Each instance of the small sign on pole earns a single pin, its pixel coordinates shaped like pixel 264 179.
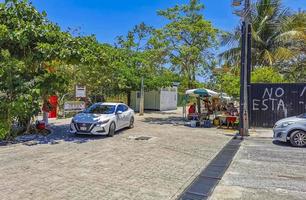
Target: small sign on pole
pixel 80 91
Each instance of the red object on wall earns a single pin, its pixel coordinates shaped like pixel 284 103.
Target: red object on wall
pixel 53 100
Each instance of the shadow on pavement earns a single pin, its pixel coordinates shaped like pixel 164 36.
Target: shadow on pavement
pixel 161 112
pixel 284 144
pixel 179 121
pixel 59 133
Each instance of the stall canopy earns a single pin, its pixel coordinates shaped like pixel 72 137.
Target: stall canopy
pixel 212 93
pixel 197 92
pixel 201 92
pixel 225 96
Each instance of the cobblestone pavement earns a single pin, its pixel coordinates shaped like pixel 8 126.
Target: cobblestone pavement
pixel 264 170
pixel 83 167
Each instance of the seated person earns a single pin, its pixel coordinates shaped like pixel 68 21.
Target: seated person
pixel 223 115
pixel 223 109
pixel 192 111
pixel 232 110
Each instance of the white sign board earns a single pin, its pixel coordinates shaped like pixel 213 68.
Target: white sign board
pixel 80 91
pixel 74 105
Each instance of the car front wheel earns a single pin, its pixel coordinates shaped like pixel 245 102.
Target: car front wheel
pixel 298 138
pixel 112 129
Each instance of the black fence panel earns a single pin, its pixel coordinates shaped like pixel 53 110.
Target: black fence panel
pixel 269 103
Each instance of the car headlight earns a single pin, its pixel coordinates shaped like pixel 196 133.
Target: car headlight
pixel 102 122
pixel 285 124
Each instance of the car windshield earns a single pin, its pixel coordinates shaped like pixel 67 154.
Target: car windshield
pixel 302 115
pixel 101 109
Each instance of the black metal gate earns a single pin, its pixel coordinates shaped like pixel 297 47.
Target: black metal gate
pixel 269 103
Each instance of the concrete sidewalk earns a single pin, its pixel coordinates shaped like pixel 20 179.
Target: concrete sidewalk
pixel 264 170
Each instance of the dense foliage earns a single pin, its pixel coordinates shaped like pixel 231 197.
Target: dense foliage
pixel 29 43
pixel 189 38
pixel 38 59
pixel 228 79
pixel 278 41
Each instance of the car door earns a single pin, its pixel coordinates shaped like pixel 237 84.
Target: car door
pixel 126 116
pixel 120 116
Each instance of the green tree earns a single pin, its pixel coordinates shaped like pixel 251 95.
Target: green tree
pixel 267 75
pixel 141 55
pixel 188 37
pixel 29 45
pixel 278 38
pixel 227 79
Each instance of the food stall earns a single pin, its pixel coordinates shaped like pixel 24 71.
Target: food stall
pixel 210 106
pixel 201 95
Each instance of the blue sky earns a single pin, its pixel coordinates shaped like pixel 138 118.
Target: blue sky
pixel 110 18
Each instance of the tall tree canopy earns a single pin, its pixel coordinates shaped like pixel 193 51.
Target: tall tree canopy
pixel 188 37
pixel 278 39
pixel 141 55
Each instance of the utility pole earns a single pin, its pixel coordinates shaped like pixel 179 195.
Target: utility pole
pixel 245 64
pixel 242 72
pixel 141 106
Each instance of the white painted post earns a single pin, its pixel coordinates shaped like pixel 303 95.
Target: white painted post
pixel 141 106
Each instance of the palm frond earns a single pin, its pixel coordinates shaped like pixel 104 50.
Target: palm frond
pixel 283 53
pixel 231 55
pixel 277 35
pixel 294 22
pixel 290 36
pixel 267 58
pixel 256 37
pixel 231 39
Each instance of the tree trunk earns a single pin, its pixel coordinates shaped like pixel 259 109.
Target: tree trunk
pixel 45 109
pixel 28 129
pixel 190 81
pixel 193 76
pixel 189 84
pixel 45 117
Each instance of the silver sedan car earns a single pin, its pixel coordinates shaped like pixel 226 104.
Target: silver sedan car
pixel 292 129
pixel 103 119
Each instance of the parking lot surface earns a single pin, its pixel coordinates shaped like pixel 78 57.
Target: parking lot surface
pixel 64 166
pixel 264 170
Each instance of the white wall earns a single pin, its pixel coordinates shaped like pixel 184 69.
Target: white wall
pixel 168 99
pixel 164 99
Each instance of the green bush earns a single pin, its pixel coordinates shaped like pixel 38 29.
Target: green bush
pixel 4 129
pixel 5 124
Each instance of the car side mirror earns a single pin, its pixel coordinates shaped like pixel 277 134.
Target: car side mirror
pixel 119 112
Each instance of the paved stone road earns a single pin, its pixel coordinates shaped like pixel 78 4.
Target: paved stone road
pixel 264 170
pixel 110 168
